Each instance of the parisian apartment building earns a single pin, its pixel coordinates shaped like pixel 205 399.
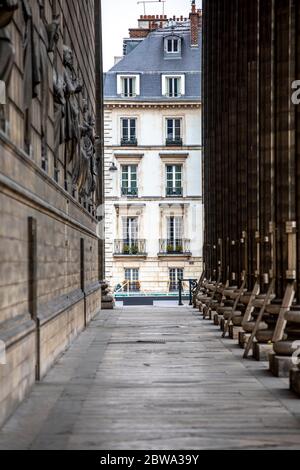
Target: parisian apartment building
pixel 153 156
pixel 50 185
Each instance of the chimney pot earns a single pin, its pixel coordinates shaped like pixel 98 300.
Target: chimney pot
pixel 195 25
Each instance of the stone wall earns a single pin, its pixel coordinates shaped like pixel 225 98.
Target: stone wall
pixel 50 261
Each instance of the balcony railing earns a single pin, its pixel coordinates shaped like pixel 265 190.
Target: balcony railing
pixel 129 142
pixel 178 246
pixel 174 192
pixel 130 192
pixel 174 142
pixel 130 247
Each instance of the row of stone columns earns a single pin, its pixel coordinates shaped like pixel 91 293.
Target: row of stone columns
pixel 251 133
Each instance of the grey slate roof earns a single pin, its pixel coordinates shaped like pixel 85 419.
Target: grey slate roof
pixel 148 60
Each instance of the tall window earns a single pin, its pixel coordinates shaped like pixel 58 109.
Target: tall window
pixel 130 230
pixel 132 280
pixel 129 180
pixel 128 86
pixel 175 234
pixel 174 180
pixel 128 126
pixel 173 87
pixel 173 131
pixel 174 275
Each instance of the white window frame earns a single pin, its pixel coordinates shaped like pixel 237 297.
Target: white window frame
pixel 129 166
pixel 174 173
pixel 128 119
pixel 173 133
pixel 165 79
pixel 175 278
pixel 134 273
pixel 172 39
pixel 120 81
pixel 130 229
pixel 178 228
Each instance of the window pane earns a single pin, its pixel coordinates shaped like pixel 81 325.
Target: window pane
pixel 170 87
pixel 132 128
pixel 125 128
pixel 169 176
pixel 169 45
pixel 175 45
pixel 175 86
pixel 125 176
pixel 133 170
pixel 177 128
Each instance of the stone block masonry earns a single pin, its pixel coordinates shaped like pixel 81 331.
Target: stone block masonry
pixel 50 255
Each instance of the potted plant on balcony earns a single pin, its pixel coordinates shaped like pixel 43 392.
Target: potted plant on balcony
pixel 134 250
pixel 179 249
pixel 126 250
pixel 170 249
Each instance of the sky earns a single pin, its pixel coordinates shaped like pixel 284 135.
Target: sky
pixel 120 15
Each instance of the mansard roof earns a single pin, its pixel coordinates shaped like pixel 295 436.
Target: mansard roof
pixel 150 62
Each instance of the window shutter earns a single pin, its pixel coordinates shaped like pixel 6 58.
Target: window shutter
pixel 137 85
pixel 119 85
pixel 182 85
pixel 163 85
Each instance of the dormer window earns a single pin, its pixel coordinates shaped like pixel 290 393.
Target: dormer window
pixel 173 86
pixel 172 47
pixel 128 86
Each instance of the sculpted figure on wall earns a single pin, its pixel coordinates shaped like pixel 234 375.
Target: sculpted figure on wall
pixel 72 132
pixel 86 172
pixel 7 9
pixel 36 67
pixel 7 52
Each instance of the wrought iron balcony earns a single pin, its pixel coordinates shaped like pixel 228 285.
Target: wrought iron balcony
pixel 130 192
pixel 174 192
pixel 129 142
pixel 180 246
pixel 130 248
pixel 174 142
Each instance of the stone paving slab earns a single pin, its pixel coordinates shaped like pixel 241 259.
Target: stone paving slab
pixel 155 378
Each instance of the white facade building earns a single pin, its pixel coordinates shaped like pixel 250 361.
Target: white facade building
pixel 153 161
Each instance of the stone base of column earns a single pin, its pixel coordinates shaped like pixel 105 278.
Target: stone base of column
pixel 243 339
pixel 295 380
pixel 280 366
pixel 234 331
pixel 261 351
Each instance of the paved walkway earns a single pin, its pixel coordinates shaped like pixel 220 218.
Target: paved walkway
pixel 155 378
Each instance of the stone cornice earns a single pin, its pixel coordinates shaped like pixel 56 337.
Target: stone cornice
pixel 154 105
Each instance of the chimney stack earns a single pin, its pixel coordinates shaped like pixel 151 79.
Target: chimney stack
pixel 195 18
